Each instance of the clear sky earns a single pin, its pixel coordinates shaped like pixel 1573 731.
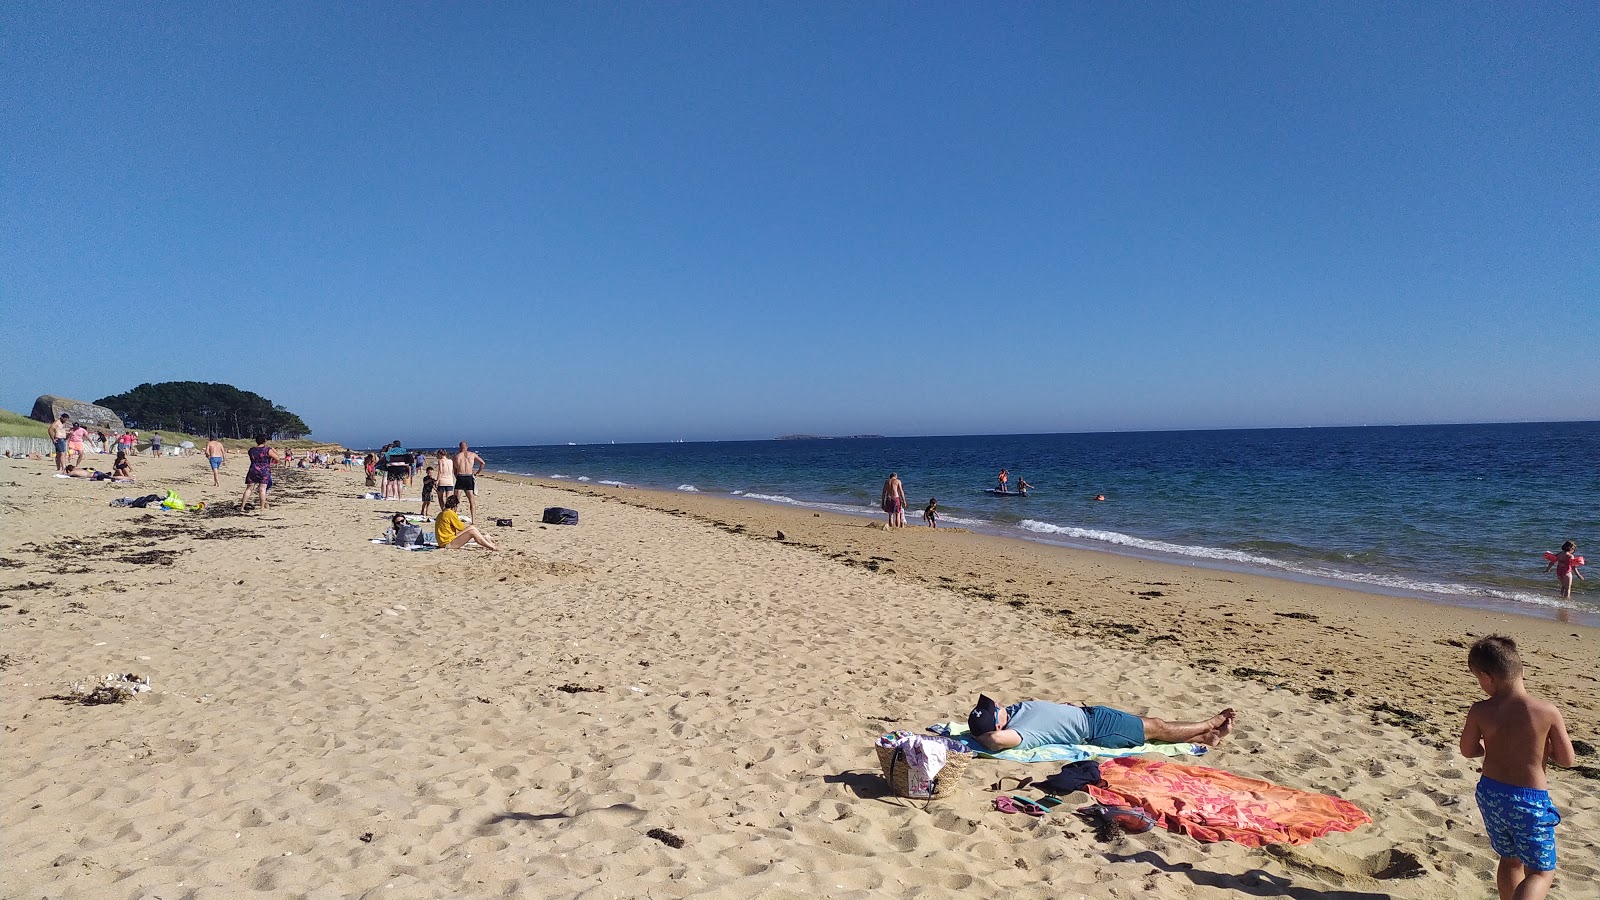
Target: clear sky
pixel 541 222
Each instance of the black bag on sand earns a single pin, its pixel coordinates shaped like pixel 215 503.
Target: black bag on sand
pixel 556 515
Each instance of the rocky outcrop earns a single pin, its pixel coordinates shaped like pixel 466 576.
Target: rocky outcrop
pixel 49 406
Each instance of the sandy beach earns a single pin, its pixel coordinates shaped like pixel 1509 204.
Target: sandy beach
pixel 669 700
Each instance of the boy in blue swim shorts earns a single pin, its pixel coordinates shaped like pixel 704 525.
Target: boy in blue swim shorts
pixel 1516 733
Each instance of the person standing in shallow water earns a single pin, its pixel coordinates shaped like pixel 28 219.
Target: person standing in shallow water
pixel 894 501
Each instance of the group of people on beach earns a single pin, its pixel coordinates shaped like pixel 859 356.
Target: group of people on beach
pixel 69 439
pixel 1515 734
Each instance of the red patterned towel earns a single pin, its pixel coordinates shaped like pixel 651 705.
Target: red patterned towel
pixel 1212 805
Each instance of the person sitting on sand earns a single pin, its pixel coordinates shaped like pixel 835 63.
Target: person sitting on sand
pixel 1035 723
pixel 120 468
pixel 452 533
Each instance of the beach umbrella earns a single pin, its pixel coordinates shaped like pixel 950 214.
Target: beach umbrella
pixel 187 445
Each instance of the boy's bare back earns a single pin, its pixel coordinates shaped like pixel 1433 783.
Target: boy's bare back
pixel 1516 733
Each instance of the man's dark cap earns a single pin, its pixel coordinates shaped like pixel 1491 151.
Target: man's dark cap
pixel 985 717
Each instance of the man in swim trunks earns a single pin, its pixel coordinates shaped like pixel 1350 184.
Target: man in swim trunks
pixel 58 438
pixel 1035 723
pixel 894 501
pixel 467 465
pixel 396 469
pixel 214 452
pixel 1516 734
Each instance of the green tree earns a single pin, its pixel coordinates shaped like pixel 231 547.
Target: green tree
pixel 199 407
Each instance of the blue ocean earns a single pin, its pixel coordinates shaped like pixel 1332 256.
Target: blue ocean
pixel 1454 513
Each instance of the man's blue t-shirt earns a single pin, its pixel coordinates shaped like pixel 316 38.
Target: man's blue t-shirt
pixel 1041 722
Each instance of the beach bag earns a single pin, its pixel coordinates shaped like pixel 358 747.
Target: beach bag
pixel 556 515
pixel 407 534
pixel 904 758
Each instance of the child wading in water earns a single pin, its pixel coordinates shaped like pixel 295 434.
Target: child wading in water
pixel 1516 734
pixel 931 514
pixel 1566 564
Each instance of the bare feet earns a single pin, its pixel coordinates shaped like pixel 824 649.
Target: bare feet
pixel 1221 726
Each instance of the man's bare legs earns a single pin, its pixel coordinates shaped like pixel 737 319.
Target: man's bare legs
pixel 1209 732
pixel 472 504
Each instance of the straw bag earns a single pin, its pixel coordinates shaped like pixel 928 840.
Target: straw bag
pixel 892 760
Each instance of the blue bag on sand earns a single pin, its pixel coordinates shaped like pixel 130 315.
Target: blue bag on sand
pixel 556 515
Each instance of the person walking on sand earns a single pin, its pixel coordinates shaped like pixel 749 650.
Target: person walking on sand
pixel 467 465
pixel 1516 734
pixel 894 501
pixel 75 439
pixel 931 514
pixel 214 453
pixel 450 533
pixel 259 475
pixel 58 439
pixel 1566 564
pixel 428 484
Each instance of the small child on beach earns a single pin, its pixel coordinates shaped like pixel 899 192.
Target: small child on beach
pixel 1516 734
pixel 931 514
pixel 428 481
pixel 1566 564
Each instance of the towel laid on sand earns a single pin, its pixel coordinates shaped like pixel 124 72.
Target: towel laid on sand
pixel 1211 805
pixel 386 542
pixel 1063 753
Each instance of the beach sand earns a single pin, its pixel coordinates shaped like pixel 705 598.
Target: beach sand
pixel 668 701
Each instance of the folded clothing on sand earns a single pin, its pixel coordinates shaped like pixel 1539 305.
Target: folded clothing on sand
pixel 1063 753
pixel 1211 805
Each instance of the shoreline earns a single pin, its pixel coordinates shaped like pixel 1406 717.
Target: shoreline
pixel 1552 611
pixel 1180 607
pixel 667 700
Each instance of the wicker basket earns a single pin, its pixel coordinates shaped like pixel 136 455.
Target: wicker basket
pixel 945 784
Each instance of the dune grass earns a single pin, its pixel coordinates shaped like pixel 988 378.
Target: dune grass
pixel 18 425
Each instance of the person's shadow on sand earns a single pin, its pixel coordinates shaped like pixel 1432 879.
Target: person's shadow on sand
pixel 1256 882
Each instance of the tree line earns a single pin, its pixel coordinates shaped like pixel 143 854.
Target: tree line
pixel 198 407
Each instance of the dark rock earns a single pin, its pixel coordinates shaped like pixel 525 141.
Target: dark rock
pixel 49 407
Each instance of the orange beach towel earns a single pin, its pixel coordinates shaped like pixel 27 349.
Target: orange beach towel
pixel 1212 805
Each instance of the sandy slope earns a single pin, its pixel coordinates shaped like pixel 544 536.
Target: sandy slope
pixel 333 718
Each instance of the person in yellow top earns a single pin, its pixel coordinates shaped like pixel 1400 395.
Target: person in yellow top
pixel 452 533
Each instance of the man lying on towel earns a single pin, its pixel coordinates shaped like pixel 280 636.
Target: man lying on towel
pixel 1035 723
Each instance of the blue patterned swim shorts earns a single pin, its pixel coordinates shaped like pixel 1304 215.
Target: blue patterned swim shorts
pixel 1521 821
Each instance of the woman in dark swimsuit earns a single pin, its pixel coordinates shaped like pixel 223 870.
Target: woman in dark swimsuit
pixel 259 475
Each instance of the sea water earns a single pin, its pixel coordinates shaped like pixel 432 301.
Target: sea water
pixel 1456 513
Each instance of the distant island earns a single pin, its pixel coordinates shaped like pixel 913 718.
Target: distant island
pixel 827 437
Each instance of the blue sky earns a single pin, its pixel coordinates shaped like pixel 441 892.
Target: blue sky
pixel 545 222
